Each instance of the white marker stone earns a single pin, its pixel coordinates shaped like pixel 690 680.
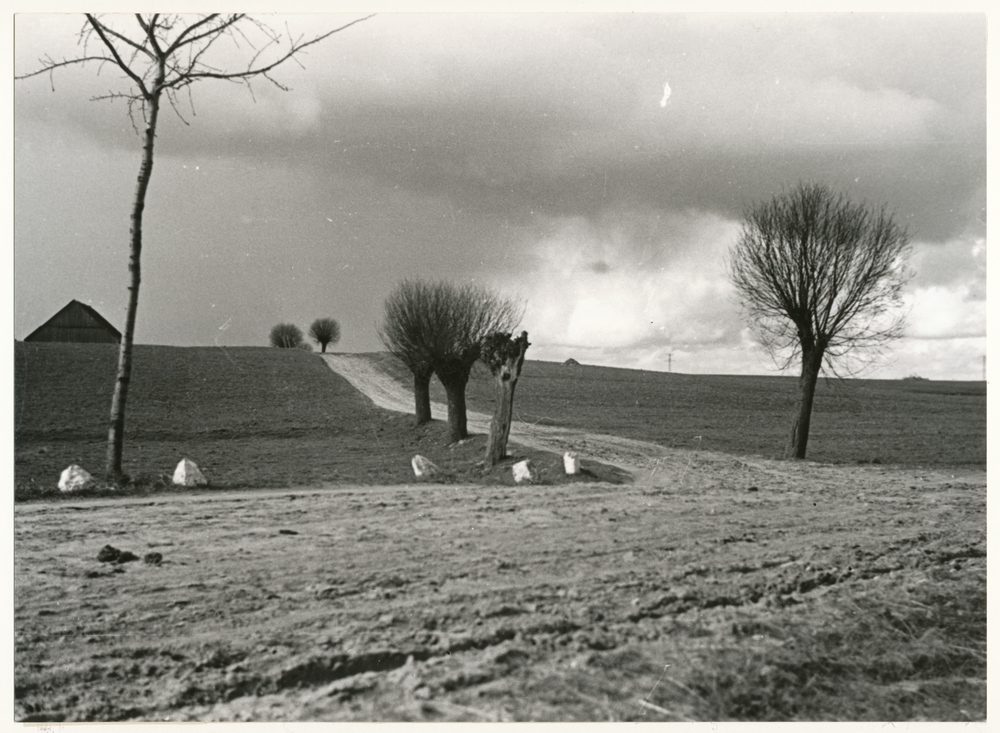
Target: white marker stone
pixel 74 478
pixel 423 466
pixel 187 473
pixel 523 472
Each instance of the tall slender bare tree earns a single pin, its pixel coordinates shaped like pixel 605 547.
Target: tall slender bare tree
pixel 160 55
pixel 819 278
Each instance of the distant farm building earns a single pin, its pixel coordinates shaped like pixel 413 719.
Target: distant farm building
pixel 76 323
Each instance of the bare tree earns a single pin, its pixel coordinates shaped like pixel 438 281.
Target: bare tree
pixel 324 331
pixel 286 336
pixel 819 278
pixel 505 357
pixel 463 318
pixel 439 328
pixel 406 332
pixel 161 55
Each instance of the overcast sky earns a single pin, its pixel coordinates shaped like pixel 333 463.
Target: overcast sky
pixel 595 166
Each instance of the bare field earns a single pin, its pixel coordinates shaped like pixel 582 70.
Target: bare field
pixel 668 585
pixel 713 589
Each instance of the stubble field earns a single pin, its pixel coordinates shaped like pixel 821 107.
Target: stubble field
pixel 703 585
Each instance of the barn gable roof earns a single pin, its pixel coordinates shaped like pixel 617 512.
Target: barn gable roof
pixel 99 320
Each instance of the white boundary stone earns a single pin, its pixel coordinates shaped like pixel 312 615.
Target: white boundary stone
pixel 423 466
pixel 74 478
pixel 523 472
pixel 187 473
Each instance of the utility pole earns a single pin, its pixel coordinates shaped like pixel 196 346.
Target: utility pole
pixel 670 357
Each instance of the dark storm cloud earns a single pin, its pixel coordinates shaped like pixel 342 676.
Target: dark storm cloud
pixel 891 112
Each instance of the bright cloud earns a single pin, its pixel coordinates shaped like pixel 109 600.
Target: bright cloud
pixel 946 312
pixel 650 280
pixel 947 298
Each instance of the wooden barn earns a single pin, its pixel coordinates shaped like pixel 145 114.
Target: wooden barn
pixel 77 323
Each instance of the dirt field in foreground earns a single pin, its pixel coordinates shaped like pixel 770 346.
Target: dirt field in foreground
pixel 462 603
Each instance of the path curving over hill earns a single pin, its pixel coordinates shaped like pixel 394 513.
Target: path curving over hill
pixel 648 463
pixel 630 455
pixel 371 381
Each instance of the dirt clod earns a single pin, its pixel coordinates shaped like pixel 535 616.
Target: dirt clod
pixel 108 554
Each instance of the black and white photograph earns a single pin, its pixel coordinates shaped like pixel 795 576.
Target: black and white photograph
pixel 562 363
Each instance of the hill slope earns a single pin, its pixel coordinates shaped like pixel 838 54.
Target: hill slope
pixel 249 416
pixel 254 416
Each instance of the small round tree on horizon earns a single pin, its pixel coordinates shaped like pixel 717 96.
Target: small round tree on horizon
pixel 286 336
pixel 819 278
pixel 324 331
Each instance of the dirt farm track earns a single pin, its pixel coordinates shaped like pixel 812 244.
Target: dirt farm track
pixel 712 587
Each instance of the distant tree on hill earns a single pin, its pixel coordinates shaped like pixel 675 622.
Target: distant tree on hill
pixel 286 336
pixel 818 278
pixel 438 328
pixel 304 346
pixel 324 331
pixel 160 56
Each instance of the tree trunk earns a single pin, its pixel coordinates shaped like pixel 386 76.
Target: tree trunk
pixel 496 446
pixel 811 363
pixel 422 396
pixel 455 387
pixel 505 358
pixel 116 431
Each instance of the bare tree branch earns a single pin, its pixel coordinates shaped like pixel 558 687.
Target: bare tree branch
pixel 100 30
pixel 48 65
pixel 262 70
pixel 196 38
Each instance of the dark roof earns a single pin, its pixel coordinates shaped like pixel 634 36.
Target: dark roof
pixel 100 321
